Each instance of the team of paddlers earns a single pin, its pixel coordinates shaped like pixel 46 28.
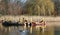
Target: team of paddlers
pixel 25 23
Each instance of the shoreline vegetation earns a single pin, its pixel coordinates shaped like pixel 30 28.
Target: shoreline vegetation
pixel 46 18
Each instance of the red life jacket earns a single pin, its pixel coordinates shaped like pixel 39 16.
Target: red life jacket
pixel 33 24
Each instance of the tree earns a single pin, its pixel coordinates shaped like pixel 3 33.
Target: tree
pixel 40 7
pixel 14 8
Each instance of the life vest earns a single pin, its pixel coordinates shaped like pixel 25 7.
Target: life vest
pixel 33 24
pixel 43 25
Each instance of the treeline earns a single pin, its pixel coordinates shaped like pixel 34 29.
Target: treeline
pixel 8 7
pixel 30 7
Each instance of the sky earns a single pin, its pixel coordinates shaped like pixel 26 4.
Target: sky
pixel 23 1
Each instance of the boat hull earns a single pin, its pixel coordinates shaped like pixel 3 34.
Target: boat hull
pixel 11 24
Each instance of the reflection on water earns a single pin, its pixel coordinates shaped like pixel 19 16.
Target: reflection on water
pixel 22 30
pixel 57 31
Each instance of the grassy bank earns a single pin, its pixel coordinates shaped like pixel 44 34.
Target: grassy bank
pixel 46 18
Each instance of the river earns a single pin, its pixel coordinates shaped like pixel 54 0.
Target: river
pixel 33 30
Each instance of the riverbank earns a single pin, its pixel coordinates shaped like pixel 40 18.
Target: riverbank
pixel 46 18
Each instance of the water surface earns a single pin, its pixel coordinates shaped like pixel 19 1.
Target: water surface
pixel 22 30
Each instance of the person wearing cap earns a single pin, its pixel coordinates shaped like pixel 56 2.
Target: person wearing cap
pixel 26 23
pixel 43 23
